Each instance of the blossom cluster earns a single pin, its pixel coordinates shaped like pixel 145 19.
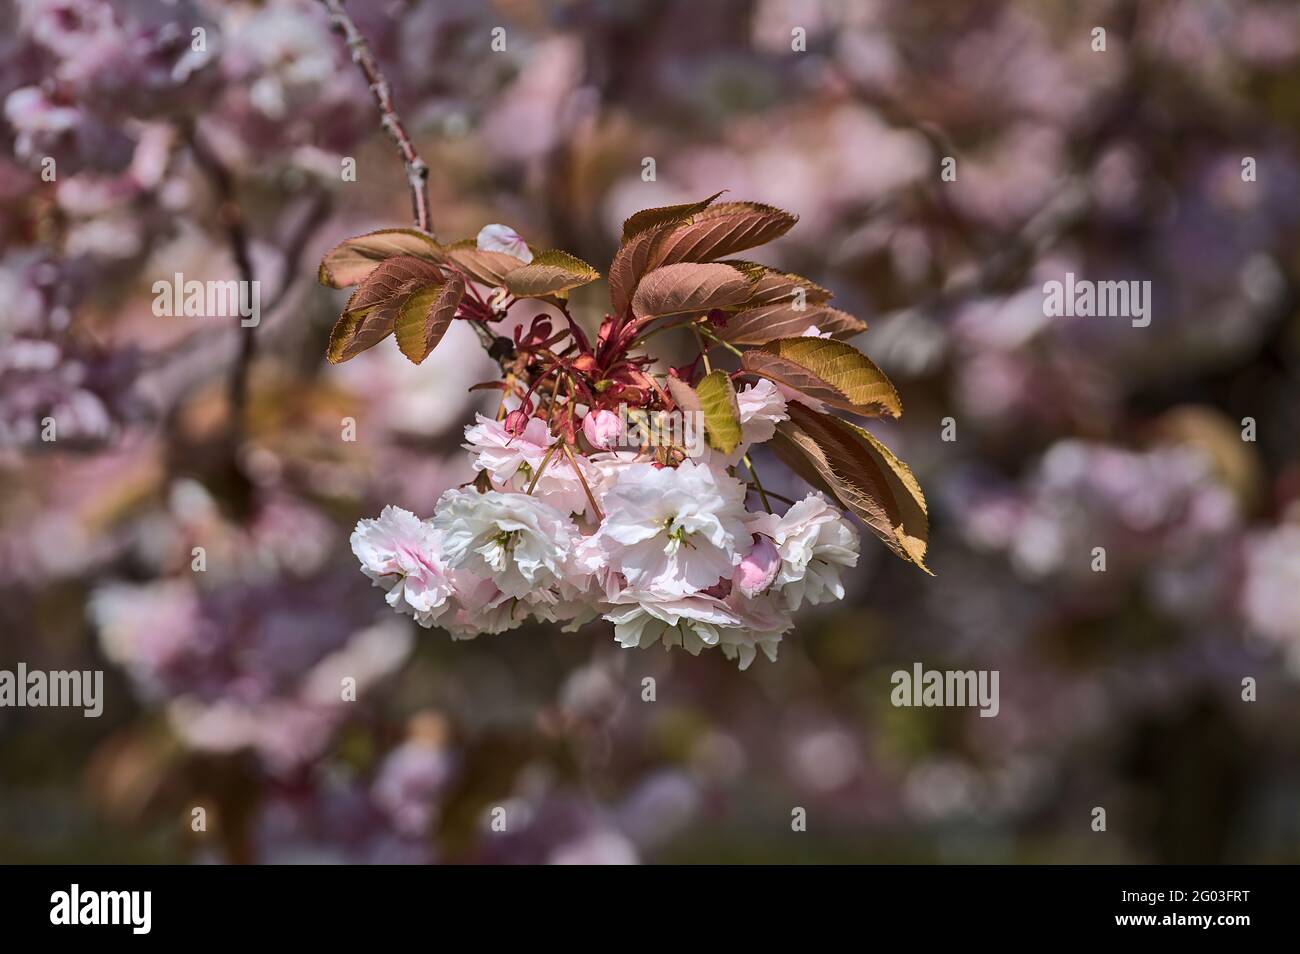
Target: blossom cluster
pixel 609 481
pixel 668 554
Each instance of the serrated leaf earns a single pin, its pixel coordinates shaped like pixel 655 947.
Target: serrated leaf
pixel 715 403
pixel 862 474
pixel 345 338
pixel 352 260
pixel 665 215
pixel 721 411
pixel 687 288
pixel 629 264
pixel 753 270
pixel 423 315
pixel 552 272
pixel 640 233
pixel 371 310
pixel 826 373
pixel 771 285
pixel 793 456
pixel 486 268
pixel 759 325
pixel 387 278
pixel 721 230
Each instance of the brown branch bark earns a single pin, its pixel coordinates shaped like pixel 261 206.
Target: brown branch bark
pixel 417 173
pixel 231 219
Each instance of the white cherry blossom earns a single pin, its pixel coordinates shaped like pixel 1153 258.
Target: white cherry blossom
pixel 518 541
pixel 674 531
pixel 403 554
pixel 512 460
pixel 815 543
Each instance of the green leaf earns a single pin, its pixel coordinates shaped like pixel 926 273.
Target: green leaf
pixel 352 260
pixel 552 272
pixel 717 399
pixel 345 341
pixel 860 472
pixel 424 313
pixel 827 372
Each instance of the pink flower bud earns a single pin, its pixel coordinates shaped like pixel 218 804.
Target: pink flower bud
pixel 602 428
pixel 758 569
pixel 516 422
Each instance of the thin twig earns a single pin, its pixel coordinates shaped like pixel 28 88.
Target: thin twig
pixel 546 459
pixel 417 173
pixel 591 499
pixel 762 494
pixel 718 341
pixel 771 493
pixel 704 352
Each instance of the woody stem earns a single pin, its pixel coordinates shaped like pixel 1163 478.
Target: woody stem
pixel 417 172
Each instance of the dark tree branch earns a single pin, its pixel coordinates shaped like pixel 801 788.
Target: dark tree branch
pixel 295 242
pixel 417 173
pixel 231 219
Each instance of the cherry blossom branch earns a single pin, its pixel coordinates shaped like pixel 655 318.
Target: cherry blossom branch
pixel 417 172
